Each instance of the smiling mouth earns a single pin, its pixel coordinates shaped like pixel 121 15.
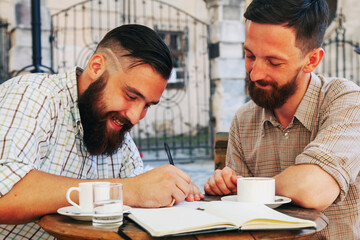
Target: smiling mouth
pixel 117 122
pixel 261 85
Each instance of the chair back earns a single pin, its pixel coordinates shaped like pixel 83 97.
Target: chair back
pixel 221 141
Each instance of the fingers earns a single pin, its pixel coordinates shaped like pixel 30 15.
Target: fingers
pixel 222 182
pixel 181 186
pixel 178 194
pixel 211 187
pixel 228 174
pixel 159 187
pixel 234 179
pixel 195 194
pixel 177 183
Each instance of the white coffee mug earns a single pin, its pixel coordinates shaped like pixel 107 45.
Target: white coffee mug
pixel 86 199
pixel 256 189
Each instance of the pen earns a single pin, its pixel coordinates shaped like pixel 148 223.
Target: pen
pixel 167 149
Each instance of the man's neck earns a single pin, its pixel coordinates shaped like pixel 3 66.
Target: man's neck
pixel 286 112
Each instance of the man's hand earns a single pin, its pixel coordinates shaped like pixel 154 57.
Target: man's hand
pixel 222 182
pixel 195 194
pixel 158 187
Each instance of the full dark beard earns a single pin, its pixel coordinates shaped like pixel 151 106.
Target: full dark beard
pixel 271 99
pixel 97 138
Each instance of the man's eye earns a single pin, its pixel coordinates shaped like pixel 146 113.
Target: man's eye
pixel 250 57
pixel 131 97
pixel 274 64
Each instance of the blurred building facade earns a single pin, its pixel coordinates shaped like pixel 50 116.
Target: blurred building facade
pixel 206 39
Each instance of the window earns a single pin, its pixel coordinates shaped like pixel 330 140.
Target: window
pixel 175 40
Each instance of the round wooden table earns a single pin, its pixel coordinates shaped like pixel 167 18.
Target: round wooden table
pixel 66 228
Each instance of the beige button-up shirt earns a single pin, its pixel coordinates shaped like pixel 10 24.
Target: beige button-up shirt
pixel 325 131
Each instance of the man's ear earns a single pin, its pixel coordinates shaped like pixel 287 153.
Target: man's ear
pixel 96 66
pixel 313 59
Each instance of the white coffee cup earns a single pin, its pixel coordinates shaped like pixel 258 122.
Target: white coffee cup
pixel 256 189
pixel 86 199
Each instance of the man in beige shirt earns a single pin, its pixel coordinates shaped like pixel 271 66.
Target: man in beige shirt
pixel 301 129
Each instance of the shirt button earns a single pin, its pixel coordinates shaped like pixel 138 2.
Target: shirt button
pixel 286 135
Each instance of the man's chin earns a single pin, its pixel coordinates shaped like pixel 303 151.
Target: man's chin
pixel 108 150
pixel 109 146
pixel 106 141
pixel 114 141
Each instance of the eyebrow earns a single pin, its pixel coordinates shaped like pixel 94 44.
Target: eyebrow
pixel 136 92
pixel 273 57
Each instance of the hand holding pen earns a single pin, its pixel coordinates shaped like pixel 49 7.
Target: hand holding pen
pixel 196 193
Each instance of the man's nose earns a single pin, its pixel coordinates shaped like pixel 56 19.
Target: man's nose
pixel 258 71
pixel 135 113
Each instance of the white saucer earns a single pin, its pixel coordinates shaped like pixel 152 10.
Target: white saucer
pixel 74 213
pixel 279 200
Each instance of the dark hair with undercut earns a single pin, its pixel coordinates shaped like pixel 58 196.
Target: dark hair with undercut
pixel 143 44
pixel 308 17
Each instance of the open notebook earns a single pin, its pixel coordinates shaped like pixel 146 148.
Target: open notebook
pixel 215 216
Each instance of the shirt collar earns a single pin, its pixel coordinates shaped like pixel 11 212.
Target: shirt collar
pixel 268 116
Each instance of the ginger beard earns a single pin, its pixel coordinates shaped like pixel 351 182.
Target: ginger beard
pixel 98 138
pixel 271 99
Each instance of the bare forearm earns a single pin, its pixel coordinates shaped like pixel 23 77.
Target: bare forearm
pixel 308 186
pixel 38 193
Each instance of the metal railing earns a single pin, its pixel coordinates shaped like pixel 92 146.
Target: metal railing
pixel 4 51
pixel 341 55
pixel 182 118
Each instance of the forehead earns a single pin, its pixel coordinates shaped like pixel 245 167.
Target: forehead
pixel 270 38
pixel 143 80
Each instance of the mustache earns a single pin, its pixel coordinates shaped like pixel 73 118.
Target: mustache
pixel 261 82
pixel 264 83
pixel 124 120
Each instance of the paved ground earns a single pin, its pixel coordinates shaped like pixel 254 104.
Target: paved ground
pixel 199 171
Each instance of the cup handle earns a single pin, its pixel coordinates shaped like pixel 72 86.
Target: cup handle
pixel 68 196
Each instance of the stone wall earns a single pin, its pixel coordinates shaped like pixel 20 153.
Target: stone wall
pixel 226 59
pixel 226 39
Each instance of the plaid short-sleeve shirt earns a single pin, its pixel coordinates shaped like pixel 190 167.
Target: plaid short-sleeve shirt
pixel 325 131
pixel 40 129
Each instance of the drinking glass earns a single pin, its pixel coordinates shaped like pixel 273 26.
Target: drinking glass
pixel 108 205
